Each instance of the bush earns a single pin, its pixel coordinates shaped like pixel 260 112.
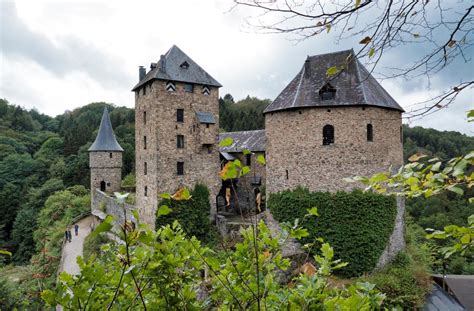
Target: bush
pixel 193 215
pixel 92 244
pixel 357 224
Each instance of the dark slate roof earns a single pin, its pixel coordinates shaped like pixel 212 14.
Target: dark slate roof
pixel 169 68
pixel 205 117
pixel 354 85
pixel 461 286
pixel 440 300
pixel 251 140
pixel 105 140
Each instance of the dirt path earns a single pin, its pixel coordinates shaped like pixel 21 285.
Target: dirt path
pixel 74 248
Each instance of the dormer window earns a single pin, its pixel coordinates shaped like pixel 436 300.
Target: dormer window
pixel 327 92
pixel 170 86
pixel 184 65
pixel 205 90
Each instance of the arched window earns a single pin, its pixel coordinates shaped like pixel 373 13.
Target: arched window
pixel 327 92
pixel 102 186
pixel 328 134
pixel 370 132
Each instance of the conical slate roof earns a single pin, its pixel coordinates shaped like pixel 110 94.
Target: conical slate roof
pixel 105 140
pixel 175 65
pixel 354 86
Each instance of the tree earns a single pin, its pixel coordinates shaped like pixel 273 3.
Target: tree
pixel 442 33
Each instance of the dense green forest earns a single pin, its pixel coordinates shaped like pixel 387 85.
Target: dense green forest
pixel 43 159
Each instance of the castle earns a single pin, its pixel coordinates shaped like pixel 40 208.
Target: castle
pixel 318 130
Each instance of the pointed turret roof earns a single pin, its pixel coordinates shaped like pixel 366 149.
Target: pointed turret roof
pixel 354 86
pixel 175 65
pixel 105 140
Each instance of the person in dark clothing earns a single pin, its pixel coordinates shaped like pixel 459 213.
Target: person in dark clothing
pixel 76 229
pixel 66 234
pixel 70 235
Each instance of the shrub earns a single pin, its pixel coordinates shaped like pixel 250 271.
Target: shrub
pixel 92 244
pixel 357 224
pixel 193 214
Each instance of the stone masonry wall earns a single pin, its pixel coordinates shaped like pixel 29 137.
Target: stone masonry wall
pixel 107 167
pixel 296 155
pixel 294 144
pixel 201 162
pixel 103 205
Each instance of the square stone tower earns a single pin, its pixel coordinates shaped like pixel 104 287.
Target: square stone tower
pixel 176 131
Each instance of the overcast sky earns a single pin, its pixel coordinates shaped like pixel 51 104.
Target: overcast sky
pixel 56 56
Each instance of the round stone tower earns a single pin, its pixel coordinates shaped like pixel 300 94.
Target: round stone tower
pixel 105 159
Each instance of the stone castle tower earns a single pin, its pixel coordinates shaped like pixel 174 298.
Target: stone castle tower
pixel 336 127
pixel 105 158
pixel 176 130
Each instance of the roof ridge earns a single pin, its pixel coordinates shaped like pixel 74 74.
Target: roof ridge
pixel 242 131
pixel 299 86
pixel 360 80
pixel 329 53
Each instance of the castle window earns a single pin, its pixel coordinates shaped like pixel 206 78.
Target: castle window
pixel 146 191
pixel 144 142
pixel 248 159
pixel 179 115
pixel 207 125
pixel 144 117
pixel 144 90
pixel 180 141
pixel 110 155
pixel 205 90
pixel 184 65
pixel 287 175
pixel 170 86
pixel 180 168
pixel 102 186
pixel 328 134
pixel 145 168
pixel 327 92
pixel 370 132
pixel 189 87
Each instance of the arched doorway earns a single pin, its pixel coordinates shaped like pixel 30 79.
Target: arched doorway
pixel 102 185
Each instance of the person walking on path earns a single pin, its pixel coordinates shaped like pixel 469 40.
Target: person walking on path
pixel 70 234
pixel 76 229
pixel 66 234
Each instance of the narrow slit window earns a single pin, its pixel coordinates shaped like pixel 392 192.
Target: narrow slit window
pixel 287 175
pixel 180 168
pixel 370 132
pixel 180 115
pixel 328 134
pixel 144 142
pixel 180 141
pixel 144 117
pixel 401 134
pixel 145 168
pixel 110 155
pixel 248 160
pixel 146 191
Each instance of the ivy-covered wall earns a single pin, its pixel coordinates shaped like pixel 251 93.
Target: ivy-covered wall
pixel 192 215
pixel 356 224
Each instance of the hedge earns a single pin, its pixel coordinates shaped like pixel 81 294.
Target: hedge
pixel 192 215
pixel 356 224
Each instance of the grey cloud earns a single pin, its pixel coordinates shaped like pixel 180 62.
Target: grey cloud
pixel 70 55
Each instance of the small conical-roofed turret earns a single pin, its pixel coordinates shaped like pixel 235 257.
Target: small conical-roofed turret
pixel 105 140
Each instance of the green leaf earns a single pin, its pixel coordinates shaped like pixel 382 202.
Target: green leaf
pixel 244 171
pixel 237 163
pixel 299 233
pixel 163 210
pixel 436 167
pixel 120 197
pixel 466 239
pixel 312 211
pixel 332 71
pixel 371 52
pixel 226 142
pixel 3 252
pixel 105 226
pixel 456 190
pixel 416 157
pixel 261 159
pixel 470 220
pixel 328 27
pixel 327 250
pixel 165 196
pixel 246 151
pixel 357 3
pixel 470 115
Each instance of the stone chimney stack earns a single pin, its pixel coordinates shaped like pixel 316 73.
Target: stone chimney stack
pixel 162 63
pixel 307 68
pixel 141 73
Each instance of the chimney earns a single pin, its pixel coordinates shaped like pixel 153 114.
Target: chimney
pixel 307 68
pixel 162 63
pixel 141 73
pixel 152 66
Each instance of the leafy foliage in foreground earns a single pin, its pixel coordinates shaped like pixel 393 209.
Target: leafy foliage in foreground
pixel 358 225
pixel 193 214
pixel 162 269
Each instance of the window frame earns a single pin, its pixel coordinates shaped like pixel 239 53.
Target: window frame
pixel 180 141
pixel 180 168
pixel 180 115
pixel 370 132
pixel 328 135
pixel 188 87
